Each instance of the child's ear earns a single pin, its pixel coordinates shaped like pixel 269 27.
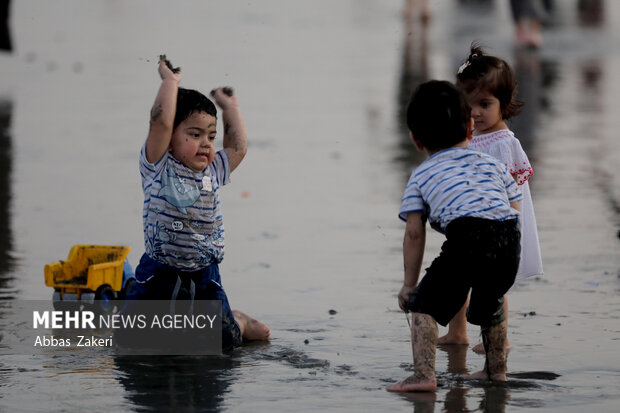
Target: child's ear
pixel 416 142
pixel 470 128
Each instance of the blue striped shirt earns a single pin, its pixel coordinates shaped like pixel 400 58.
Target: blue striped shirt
pixel 459 182
pixel 183 225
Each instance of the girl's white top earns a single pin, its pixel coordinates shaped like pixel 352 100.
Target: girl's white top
pixel 503 145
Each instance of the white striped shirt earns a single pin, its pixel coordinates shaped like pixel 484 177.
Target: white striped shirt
pixel 459 182
pixel 183 225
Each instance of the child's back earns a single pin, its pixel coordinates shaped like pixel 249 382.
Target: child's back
pixel 460 182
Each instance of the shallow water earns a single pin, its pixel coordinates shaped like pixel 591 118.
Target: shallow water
pixel 311 214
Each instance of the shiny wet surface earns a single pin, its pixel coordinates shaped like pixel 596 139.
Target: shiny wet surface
pixel 311 213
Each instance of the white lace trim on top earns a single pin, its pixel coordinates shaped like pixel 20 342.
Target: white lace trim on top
pixel 503 145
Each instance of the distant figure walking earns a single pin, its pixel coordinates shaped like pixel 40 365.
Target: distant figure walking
pixel 417 10
pixel 527 16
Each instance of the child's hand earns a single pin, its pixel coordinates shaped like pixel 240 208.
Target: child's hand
pixel 403 296
pixel 224 97
pixel 167 71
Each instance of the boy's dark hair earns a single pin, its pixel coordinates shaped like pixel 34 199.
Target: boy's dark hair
pixel 190 101
pixel 438 115
pixel 492 74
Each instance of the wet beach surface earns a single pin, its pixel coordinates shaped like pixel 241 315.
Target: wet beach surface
pixel 311 213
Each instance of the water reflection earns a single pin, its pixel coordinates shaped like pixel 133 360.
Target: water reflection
pixel 414 70
pixel 495 395
pixel 494 398
pixel 591 92
pixel 5 34
pixel 483 4
pixel 422 402
pixel 591 13
pixel 6 162
pixel 176 383
pixel 455 400
pixel 457 358
pixel 591 81
pixel 6 165
pixel 536 78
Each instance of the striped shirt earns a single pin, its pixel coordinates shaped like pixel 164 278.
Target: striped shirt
pixel 183 225
pixel 459 182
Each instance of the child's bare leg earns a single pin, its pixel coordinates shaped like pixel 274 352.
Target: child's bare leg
pixel 521 33
pixel 479 348
pixel 494 340
pixel 423 343
pixel 417 9
pixel 535 36
pixel 457 329
pixel 251 329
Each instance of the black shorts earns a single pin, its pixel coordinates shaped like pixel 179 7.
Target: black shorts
pixel 480 255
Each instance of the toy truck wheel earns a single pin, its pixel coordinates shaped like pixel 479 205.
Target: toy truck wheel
pixel 105 297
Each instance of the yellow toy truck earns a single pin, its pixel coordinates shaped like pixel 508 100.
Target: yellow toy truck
pixel 91 273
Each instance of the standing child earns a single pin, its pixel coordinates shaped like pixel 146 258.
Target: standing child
pixel 181 178
pixel 490 86
pixel 527 16
pixel 471 198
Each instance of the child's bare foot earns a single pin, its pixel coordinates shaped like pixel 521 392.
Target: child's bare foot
pixel 482 375
pixel 494 338
pixel 452 338
pixel 479 348
pixel 251 329
pixel 414 383
pixel 479 375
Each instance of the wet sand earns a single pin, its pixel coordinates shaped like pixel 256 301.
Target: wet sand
pixel 311 213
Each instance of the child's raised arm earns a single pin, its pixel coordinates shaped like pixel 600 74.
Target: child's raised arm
pixel 235 138
pixel 163 112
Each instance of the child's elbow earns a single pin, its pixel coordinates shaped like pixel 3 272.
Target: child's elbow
pixel 243 151
pixel 412 236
